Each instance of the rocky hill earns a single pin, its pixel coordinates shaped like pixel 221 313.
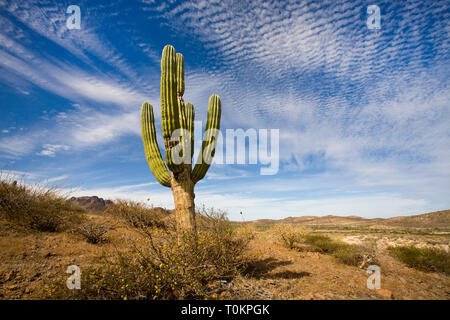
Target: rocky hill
pixel 91 203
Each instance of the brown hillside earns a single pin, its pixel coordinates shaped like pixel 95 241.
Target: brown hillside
pixel 428 220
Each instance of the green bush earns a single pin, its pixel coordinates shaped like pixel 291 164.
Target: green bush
pixel 354 255
pixel 37 207
pixel 424 259
pixel 324 243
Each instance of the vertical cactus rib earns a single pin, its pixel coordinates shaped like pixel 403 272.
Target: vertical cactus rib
pixel 152 153
pixel 180 74
pixel 190 117
pixel 169 104
pixel 209 141
pixel 181 106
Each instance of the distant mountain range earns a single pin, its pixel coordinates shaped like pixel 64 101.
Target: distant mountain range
pixel 438 219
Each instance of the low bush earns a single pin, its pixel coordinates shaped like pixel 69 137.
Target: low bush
pixel 354 255
pixel 289 235
pixel 324 243
pixel 424 259
pixel 166 264
pixel 136 214
pixel 37 207
pixel 92 232
pixel 246 231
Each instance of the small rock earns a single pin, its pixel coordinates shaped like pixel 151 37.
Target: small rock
pixel 384 293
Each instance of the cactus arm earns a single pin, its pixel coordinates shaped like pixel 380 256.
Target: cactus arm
pixel 190 117
pixel 170 115
pixel 151 148
pixel 209 141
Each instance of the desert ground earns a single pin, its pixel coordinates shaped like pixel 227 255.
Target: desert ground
pixel 33 263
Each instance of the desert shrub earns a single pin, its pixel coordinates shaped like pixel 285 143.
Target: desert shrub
pixel 166 264
pixel 92 232
pixel 37 207
pixel 289 235
pixel 324 243
pixel 135 214
pixel 246 231
pixel 424 259
pixel 353 255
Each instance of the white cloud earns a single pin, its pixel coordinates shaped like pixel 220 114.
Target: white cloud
pixel 16 146
pixel 51 149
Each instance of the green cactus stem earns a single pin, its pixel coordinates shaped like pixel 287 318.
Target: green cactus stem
pixel 176 116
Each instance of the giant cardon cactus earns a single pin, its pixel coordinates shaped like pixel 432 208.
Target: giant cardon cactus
pixel 178 133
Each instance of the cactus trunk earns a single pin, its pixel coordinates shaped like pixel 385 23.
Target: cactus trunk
pixel 178 116
pixel 183 195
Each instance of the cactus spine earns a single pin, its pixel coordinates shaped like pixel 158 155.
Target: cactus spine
pixel 178 117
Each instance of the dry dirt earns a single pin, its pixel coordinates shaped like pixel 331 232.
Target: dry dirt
pixel 288 274
pixel 29 262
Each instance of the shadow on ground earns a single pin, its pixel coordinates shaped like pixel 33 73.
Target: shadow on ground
pixel 262 269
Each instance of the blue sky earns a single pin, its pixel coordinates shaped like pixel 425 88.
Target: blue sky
pixel 363 114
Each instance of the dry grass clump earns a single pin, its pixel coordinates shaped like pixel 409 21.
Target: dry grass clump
pixel 354 255
pixel 37 207
pixel 135 214
pixel 424 259
pixel 289 235
pixel 92 232
pixel 166 264
pixel 246 231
